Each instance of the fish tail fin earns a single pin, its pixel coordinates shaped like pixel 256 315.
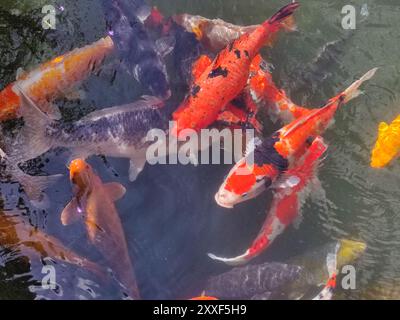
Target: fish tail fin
pixel 289 24
pixel 236 261
pixel 353 90
pixel 32 185
pixel 35 185
pixel 283 17
pixel 31 140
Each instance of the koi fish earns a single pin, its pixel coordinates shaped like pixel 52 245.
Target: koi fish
pixel 267 159
pixel 216 34
pixel 290 190
pixel 36 244
pixel 54 79
pixel 252 281
pixel 117 132
pixel 141 56
pixel 260 93
pixel 265 94
pixel 387 146
pixel 226 77
pixel 319 265
pixel 187 48
pixel 94 202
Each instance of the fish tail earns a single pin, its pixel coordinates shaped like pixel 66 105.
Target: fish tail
pixel 236 261
pixel 31 140
pixel 353 91
pixel 32 185
pixel 281 17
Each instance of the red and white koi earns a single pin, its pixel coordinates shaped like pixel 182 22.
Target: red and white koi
pixel 274 155
pixel 290 191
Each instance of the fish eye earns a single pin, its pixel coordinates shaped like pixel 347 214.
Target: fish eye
pixel 244 194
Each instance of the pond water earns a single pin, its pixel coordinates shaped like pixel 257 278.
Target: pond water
pixel 169 215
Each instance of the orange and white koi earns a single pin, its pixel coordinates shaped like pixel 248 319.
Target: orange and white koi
pixel 290 191
pixel 226 77
pixel 269 158
pixel 54 79
pixel 94 201
pixel 387 146
pixel 215 34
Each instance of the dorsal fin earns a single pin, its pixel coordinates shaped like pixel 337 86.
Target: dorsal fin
pixel 146 102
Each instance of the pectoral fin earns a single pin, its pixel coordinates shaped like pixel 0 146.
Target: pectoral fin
pixel 115 190
pixel 71 213
pixel 75 94
pixel 165 45
pixel 136 166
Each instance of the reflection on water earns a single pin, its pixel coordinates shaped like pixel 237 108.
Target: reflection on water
pixel 169 215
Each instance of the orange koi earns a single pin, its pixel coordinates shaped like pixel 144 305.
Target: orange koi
pixel 264 93
pixel 387 146
pixel 94 201
pixel 54 78
pixel 226 77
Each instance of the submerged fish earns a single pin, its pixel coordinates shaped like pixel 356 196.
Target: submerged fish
pixel 317 269
pixel 94 202
pixel 226 77
pixel 252 282
pixel 289 194
pixel 216 34
pixel 141 56
pixel 274 155
pixel 36 244
pixel 387 146
pixel 54 79
pixel 116 132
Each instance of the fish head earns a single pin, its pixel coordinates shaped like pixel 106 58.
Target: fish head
pixel 387 146
pixel 80 173
pixel 194 24
pixel 154 78
pixel 244 182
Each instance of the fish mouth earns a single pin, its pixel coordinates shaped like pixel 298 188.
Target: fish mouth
pixel 222 204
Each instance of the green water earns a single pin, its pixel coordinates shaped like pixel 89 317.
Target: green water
pixel 170 217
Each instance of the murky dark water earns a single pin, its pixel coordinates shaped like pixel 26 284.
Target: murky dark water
pixel 169 214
